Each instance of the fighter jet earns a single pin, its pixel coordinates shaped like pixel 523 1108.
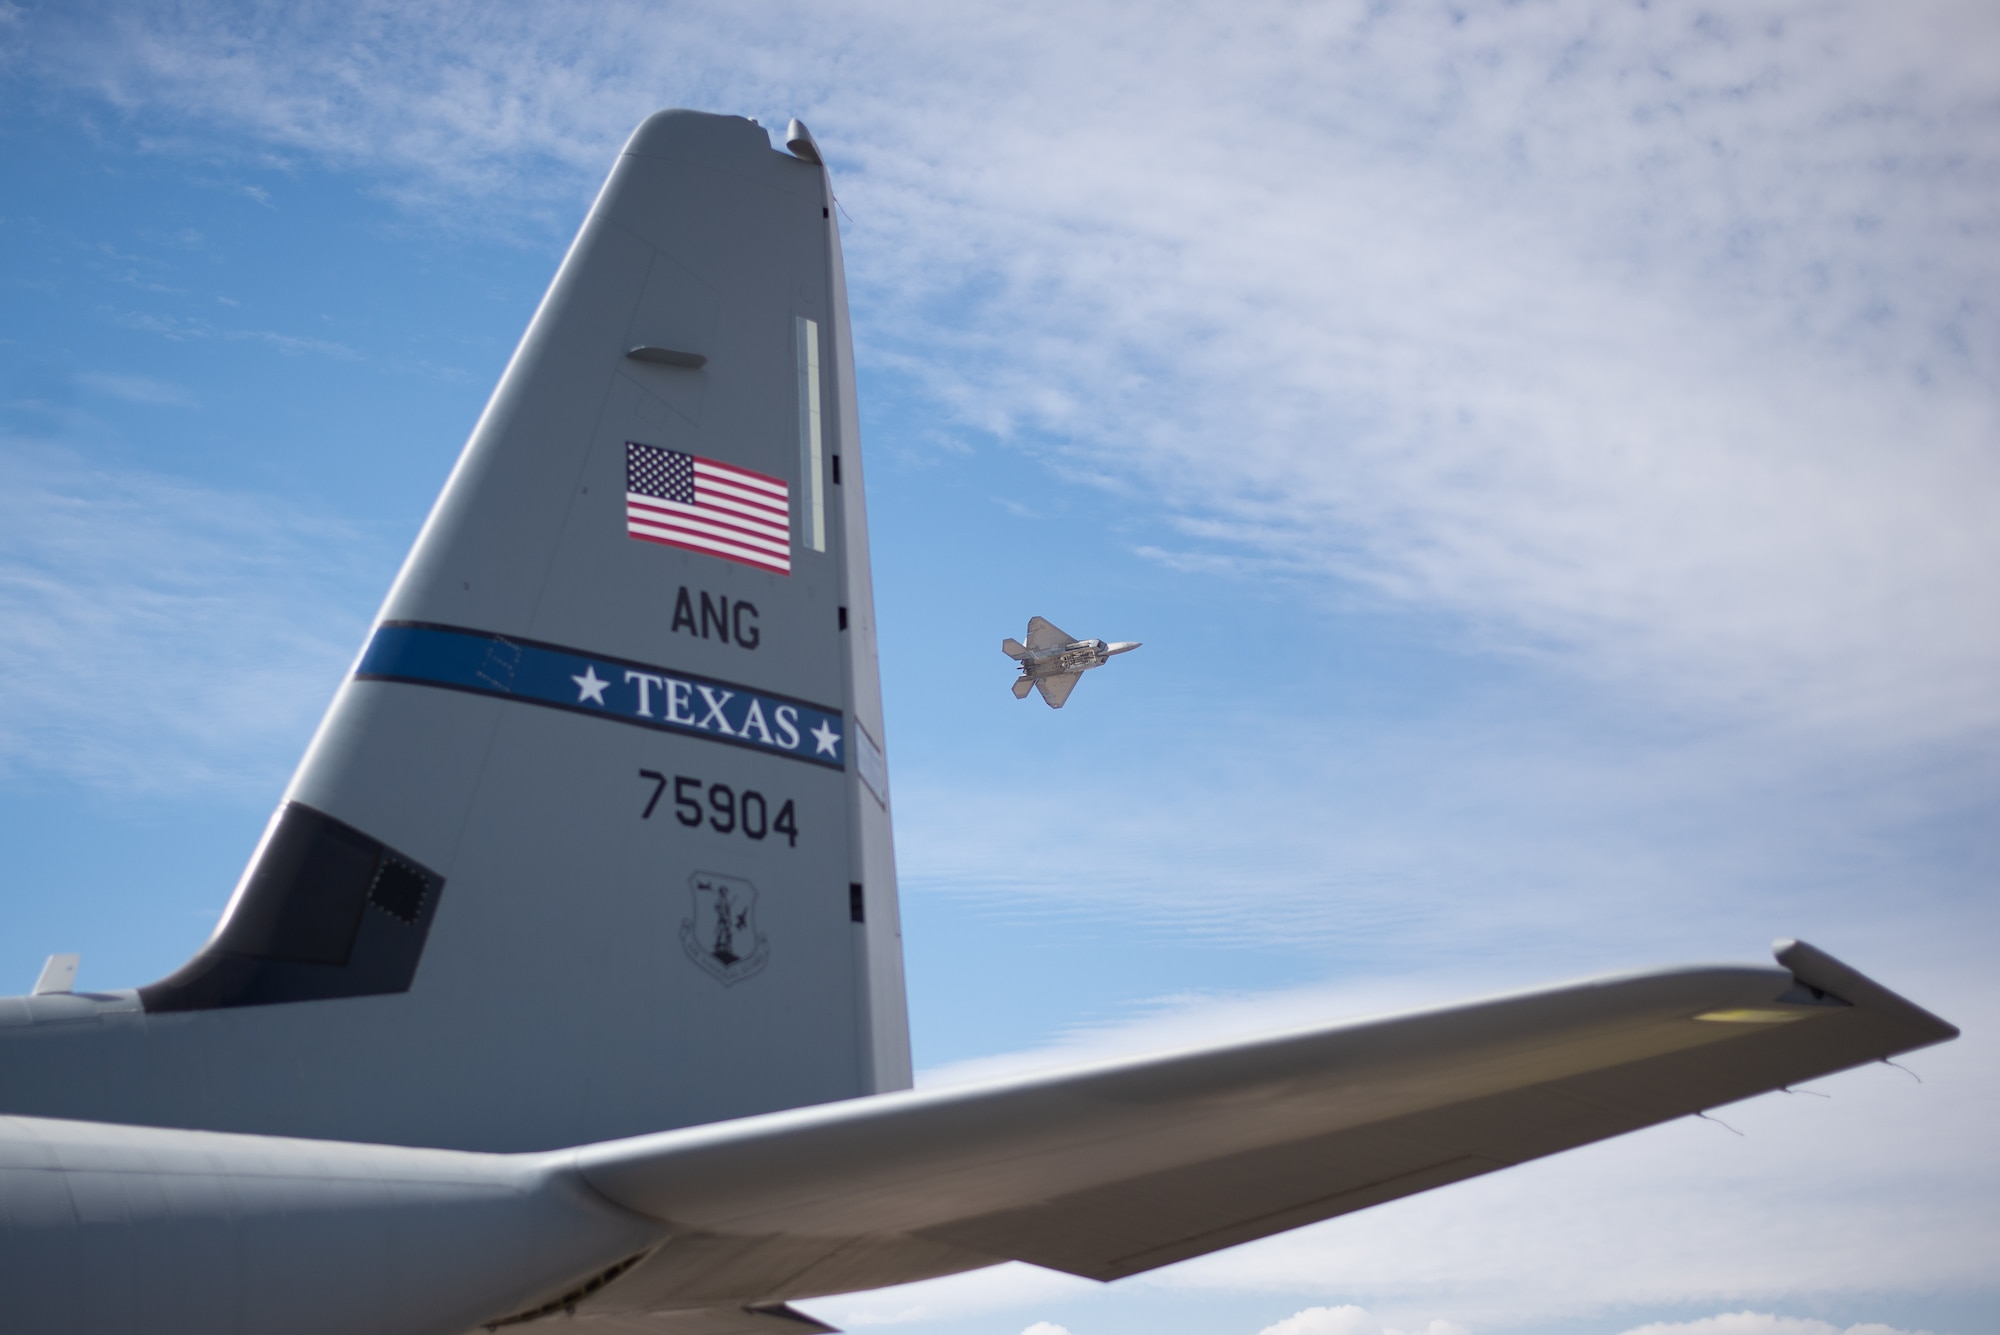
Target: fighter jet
pixel 1053 661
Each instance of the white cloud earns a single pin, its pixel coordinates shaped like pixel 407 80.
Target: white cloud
pixel 1350 1320
pixel 1045 1328
pixel 1649 340
pixel 165 636
pixel 138 389
pixel 1471 835
pixel 1762 1323
pixel 999 1288
pixel 183 328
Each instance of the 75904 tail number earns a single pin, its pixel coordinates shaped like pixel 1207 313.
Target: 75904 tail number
pixel 722 808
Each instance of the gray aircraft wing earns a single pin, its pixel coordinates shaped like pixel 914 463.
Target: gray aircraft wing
pixel 1056 689
pixel 712 1229
pixel 1043 634
pixel 1121 1168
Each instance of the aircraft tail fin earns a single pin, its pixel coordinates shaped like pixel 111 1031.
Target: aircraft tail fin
pixel 1022 685
pixel 1013 648
pixel 596 839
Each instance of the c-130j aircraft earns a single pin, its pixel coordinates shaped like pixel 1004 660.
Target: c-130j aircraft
pixel 566 980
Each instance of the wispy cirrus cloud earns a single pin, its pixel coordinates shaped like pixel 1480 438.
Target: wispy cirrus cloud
pixel 181 328
pixel 1651 342
pixel 141 389
pixel 165 636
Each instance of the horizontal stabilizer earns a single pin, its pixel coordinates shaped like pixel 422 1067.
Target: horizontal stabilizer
pixel 1055 690
pixel 1123 1167
pixel 1013 648
pixel 1022 685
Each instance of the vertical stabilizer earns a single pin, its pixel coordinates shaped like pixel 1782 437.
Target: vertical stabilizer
pixel 596 838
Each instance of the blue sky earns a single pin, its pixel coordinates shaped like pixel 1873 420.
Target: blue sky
pixel 1548 451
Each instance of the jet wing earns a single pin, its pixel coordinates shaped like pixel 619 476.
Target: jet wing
pixel 1056 689
pixel 1044 635
pixel 1116 1169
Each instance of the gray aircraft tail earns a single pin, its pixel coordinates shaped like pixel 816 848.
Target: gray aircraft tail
pixel 595 839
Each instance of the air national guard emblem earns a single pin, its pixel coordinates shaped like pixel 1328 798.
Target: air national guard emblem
pixel 722 936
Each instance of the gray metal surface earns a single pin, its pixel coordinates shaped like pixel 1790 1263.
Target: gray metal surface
pixel 1103 1172
pixel 547 969
pixel 168 1232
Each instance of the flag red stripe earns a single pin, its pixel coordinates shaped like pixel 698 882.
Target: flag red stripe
pixel 722 486
pixel 742 476
pixel 777 531
pixel 707 533
pixel 756 513
pixel 699 533
pixel 667 512
pixel 782 565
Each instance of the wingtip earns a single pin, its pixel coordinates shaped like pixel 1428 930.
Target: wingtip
pixel 1815 968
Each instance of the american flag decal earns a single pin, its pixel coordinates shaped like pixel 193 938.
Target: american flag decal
pixel 684 500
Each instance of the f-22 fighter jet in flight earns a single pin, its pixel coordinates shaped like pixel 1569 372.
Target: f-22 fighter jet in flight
pixel 1053 661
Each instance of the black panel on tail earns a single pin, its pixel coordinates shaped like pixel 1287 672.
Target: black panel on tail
pixel 329 912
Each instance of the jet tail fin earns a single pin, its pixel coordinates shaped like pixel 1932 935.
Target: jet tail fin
pixel 1022 685
pixel 1013 648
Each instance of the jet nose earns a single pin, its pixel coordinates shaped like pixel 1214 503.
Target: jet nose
pixel 1123 646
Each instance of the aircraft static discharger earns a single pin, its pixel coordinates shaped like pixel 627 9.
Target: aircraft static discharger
pixel 1052 662
pixel 566 984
